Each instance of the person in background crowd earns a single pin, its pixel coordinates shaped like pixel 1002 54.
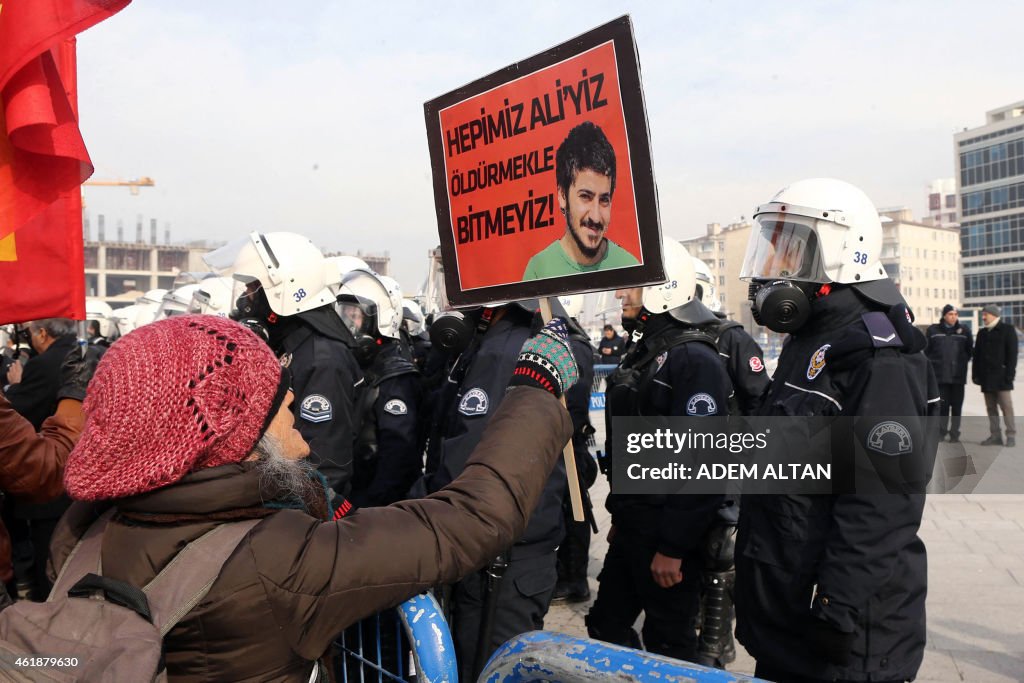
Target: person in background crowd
pixel 655 561
pixel 832 587
pixel 284 290
pixel 188 426
pixel 950 346
pixel 611 347
pixel 995 366
pixel 33 393
pixel 32 467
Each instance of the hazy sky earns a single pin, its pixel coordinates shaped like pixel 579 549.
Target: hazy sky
pixel 308 116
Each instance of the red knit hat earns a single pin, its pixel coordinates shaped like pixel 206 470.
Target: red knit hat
pixel 171 397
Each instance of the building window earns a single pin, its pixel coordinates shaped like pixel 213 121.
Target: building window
pixel 721 281
pixel 1002 160
pixel 721 263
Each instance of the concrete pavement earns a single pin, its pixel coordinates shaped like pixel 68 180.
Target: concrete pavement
pixel 975 548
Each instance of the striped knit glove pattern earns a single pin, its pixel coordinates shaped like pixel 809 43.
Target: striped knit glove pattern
pixel 546 360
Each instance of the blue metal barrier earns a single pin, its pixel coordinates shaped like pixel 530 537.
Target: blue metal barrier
pixel 597 388
pixel 380 647
pixel 547 656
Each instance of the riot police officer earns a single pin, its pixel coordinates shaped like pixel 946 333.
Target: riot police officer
pixel 832 587
pixel 283 289
pixel 744 362
pixel 387 455
pixel 654 561
pixel 474 387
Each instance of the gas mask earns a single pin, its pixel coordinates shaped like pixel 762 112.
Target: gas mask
pixel 780 305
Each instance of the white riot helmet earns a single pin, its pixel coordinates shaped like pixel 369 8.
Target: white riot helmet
pixel 290 270
pixel 371 304
pixel 573 304
pixel 679 288
pixel 146 307
pixel 213 297
pixel 413 317
pixel 818 230
pixel 677 296
pixel 706 290
pixel 176 302
pixel 100 311
pixel 124 318
pixel 812 233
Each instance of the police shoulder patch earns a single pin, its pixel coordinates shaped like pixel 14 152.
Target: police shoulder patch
pixel 396 406
pixel 701 405
pixel 474 402
pixel 316 408
pixel 890 438
pixel 756 364
pixel 660 360
pixel 817 363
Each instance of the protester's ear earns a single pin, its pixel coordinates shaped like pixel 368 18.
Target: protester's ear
pixel 561 200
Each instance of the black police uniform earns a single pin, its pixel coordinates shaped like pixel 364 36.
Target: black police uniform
pixel 317 348
pixel 832 587
pixel 949 350
pixel 388 459
pixel 574 552
pixel 652 383
pixel 481 376
pixel 744 362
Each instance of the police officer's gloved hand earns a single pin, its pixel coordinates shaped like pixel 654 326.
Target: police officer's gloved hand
pixel 546 360
pixel 76 371
pixel 829 643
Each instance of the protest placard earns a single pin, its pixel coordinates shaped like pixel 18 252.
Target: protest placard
pixel 542 175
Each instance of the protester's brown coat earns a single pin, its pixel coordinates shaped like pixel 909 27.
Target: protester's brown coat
pixel 294 583
pixel 32 465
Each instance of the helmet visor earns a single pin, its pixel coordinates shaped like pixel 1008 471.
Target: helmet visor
pixel 357 313
pixel 783 247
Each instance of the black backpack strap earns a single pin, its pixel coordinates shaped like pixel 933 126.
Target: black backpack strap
pixel 189 576
pixel 117 592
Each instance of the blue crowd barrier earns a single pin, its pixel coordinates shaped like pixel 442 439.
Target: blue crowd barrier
pixel 380 648
pixel 601 372
pixel 547 656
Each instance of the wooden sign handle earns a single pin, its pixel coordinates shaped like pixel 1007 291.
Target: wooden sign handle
pixel 568 453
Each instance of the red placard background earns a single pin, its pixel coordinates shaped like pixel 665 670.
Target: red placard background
pixel 549 111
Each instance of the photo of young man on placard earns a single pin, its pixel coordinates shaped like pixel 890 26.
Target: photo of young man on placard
pixel 585 175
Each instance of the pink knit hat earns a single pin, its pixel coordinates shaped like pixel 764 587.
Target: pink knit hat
pixel 171 397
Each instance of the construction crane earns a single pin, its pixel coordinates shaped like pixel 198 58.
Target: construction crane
pixel 132 185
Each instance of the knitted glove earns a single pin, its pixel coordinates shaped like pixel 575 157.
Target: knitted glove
pixel 76 371
pixel 546 360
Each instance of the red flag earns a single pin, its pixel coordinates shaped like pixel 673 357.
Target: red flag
pixel 43 159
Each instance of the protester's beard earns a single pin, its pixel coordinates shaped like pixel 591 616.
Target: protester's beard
pixel 285 478
pixel 587 251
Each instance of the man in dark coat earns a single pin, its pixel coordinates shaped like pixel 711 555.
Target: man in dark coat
pixel 995 365
pixel 32 390
pixel 950 345
pixel 611 346
pixel 34 395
